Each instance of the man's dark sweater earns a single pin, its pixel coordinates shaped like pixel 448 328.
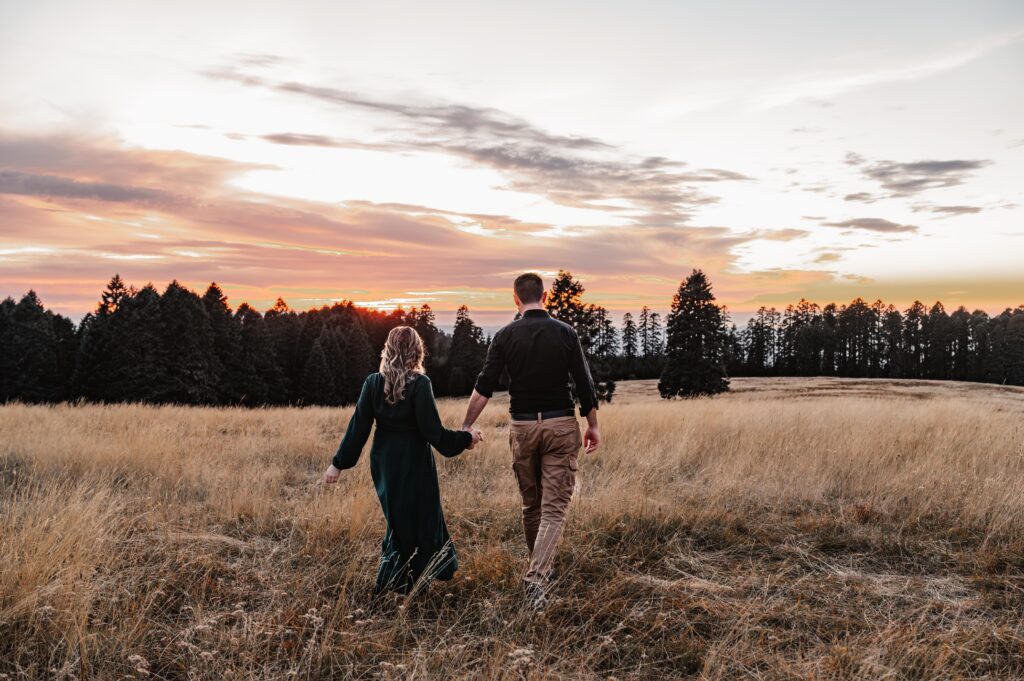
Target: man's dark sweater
pixel 540 353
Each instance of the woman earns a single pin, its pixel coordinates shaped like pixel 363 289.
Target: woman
pixel 400 400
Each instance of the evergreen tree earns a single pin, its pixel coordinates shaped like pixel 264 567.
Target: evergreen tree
pixel 656 341
pixel 914 340
pixel 7 364
pixel 629 337
pixel 734 358
pixel 425 323
pixel 758 342
pixel 606 342
pixel 94 341
pixel 892 332
pixel 361 362
pixel 262 381
pixel 980 355
pixel 696 345
pixel 283 329
pixel 466 355
pixel 565 303
pixel 317 385
pixel 960 345
pixel 32 370
pixel 131 364
pixel 938 358
pixel 192 366
pixel 1014 346
pixel 234 369
pixel 111 298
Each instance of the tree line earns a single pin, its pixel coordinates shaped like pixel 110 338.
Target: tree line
pixel 876 340
pixel 176 346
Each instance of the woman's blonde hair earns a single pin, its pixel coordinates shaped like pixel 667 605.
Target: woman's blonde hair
pixel 401 358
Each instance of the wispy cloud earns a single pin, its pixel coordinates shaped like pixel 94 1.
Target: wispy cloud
pixel 570 170
pixel 948 211
pixel 823 86
pixel 872 225
pixel 908 178
pixel 14 182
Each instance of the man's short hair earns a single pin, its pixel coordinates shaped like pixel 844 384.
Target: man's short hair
pixel 529 288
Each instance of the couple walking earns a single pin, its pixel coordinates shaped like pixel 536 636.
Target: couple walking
pixel 540 355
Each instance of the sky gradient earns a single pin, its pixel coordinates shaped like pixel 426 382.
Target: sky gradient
pixel 402 153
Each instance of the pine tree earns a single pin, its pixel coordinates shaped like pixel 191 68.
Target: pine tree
pixel 191 363
pixel 111 298
pixel 655 337
pixel 629 337
pixel 7 364
pixel 32 367
pixel 938 342
pixel 283 330
pixel 606 341
pixel 565 303
pixel 914 339
pixel 425 323
pixel 466 355
pixel 317 385
pixel 88 379
pixel 696 345
pixel 645 332
pixel 131 364
pixel 261 381
pixel 234 368
pixel 892 334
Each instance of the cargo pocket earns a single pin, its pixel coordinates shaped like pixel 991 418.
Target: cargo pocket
pixel 574 455
pixel 565 445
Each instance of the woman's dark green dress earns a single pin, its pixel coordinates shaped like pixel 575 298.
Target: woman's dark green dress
pixel 416 542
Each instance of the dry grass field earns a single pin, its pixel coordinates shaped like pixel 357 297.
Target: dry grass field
pixel 793 529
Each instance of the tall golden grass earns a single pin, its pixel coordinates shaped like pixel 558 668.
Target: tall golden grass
pixel 793 529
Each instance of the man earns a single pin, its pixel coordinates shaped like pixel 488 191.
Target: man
pixel 540 354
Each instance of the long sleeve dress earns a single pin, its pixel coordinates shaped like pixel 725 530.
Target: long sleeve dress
pixel 416 542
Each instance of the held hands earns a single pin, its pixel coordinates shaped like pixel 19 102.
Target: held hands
pixel 331 475
pixel 592 439
pixel 478 437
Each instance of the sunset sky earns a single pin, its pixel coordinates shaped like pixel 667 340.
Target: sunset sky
pixel 401 153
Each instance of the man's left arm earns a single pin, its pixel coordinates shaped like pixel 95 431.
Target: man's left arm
pixel 586 393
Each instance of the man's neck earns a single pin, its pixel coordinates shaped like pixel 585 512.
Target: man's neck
pixel 532 306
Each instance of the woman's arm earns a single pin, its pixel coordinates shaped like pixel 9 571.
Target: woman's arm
pixel 448 442
pixel 356 434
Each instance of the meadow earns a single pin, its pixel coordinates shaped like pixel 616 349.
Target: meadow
pixel 790 529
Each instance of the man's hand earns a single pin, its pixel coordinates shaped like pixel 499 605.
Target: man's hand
pixel 592 438
pixel 478 437
pixel 331 475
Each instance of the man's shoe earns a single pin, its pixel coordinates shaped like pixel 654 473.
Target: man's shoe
pixel 536 596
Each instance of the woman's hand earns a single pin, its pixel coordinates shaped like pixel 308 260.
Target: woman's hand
pixel 331 475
